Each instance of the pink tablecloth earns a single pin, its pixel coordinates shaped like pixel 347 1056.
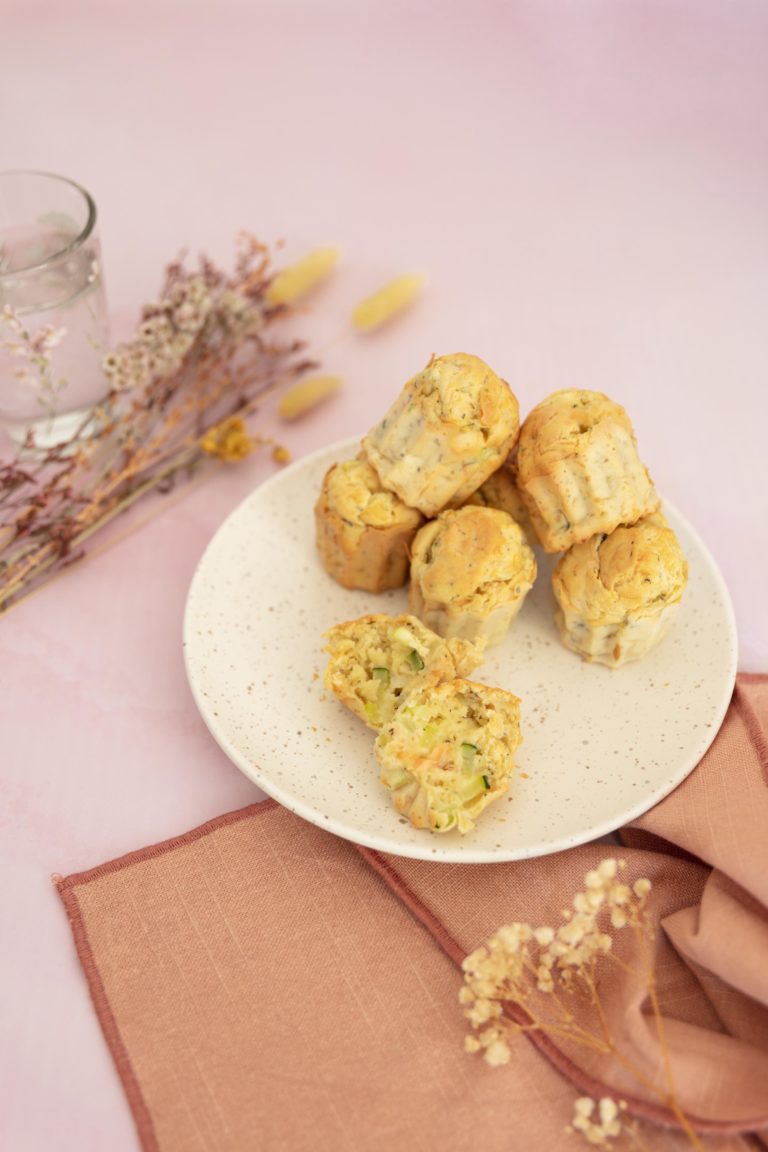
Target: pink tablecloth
pixel 586 187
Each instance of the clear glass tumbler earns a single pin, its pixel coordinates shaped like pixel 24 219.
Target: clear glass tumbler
pixel 54 329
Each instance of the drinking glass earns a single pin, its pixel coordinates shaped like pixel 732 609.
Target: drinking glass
pixel 54 329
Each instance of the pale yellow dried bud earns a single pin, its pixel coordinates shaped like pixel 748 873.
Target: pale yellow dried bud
pixel 544 981
pixel 307 394
pixel 620 894
pixel 608 1110
pixel 608 868
pixel 618 918
pixel 511 936
pixel 484 988
pixel 472 962
pixel 497 1054
pixel 641 887
pixel 296 281
pixel 385 304
pixel 471 1044
pixel 544 935
pixel 482 1011
pixel 584 1106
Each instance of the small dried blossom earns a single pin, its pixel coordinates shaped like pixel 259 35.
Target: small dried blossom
pixel 33 349
pixel 228 440
pixel 601 1129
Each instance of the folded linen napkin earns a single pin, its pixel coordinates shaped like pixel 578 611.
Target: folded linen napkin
pixel 264 985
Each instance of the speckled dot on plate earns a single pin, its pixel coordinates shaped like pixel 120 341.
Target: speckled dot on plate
pixel 599 746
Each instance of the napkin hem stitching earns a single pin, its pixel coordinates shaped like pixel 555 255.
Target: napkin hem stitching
pixel 142 1117
pixel 139 855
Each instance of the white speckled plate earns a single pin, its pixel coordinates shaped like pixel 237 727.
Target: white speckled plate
pixel 600 747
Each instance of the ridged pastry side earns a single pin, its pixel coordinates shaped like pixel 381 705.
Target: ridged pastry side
pixel 452 425
pixel 471 570
pixel 363 531
pixel 500 491
pixel 448 752
pixel 618 595
pixel 579 471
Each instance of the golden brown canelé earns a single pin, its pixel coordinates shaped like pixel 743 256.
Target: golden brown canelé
pixel 617 595
pixel 471 570
pixel 578 469
pixel 453 424
pixel 500 491
pixel 363 532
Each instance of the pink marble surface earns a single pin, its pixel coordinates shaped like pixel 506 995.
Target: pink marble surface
pixel 586 187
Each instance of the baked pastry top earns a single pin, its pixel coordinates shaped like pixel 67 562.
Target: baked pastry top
pixel 452 425
pixel 617 594
pixel 578 468
pixel 471 569
pixel 363 531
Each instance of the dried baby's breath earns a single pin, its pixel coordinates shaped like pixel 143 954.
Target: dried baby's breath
pixel 541 969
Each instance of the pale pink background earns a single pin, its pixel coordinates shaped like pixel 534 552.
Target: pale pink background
pixel 586 186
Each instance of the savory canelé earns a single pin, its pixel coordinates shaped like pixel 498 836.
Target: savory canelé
pixel 578 469
pixel 471 570
pixel 453 424
pixel 617 595
pixel 376 660
pixel 500 490
pixel 448 752
pixel 363 531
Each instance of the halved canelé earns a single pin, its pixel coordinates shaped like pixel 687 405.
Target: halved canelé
pixel 448 752
pixel 377 660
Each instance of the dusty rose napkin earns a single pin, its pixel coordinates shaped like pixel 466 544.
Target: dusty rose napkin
pixel 264 985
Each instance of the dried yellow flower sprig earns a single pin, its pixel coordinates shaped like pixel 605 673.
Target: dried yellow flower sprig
pixel 178 393
pixel 540 969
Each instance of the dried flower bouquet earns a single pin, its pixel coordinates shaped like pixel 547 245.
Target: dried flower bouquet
pixel 180 392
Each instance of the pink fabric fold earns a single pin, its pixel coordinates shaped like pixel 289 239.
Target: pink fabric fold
pixel 262 984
